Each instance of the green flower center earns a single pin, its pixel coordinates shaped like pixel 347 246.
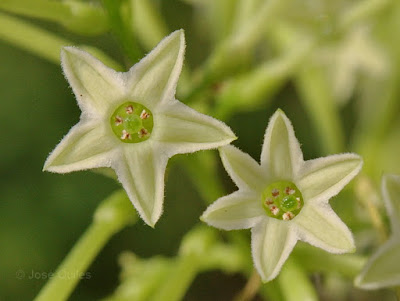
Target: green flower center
pixel 282 200
pixel 132 122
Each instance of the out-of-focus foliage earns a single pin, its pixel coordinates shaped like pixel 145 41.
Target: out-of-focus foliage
pixel 332 66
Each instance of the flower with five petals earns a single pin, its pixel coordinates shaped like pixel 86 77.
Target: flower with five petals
pixel 132 122
pixel 284 199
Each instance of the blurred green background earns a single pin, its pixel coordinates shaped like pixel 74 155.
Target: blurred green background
pixel 42 214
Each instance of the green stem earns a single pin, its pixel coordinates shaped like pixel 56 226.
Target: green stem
pixel 113 214
pixel 179 279
pixel 122 31
pixel 295 284
pixel 31 38
pixel 251 288
pixel 41 42
pixel 76 16
pixel 322 108
pixel 235 49
pixel 250 90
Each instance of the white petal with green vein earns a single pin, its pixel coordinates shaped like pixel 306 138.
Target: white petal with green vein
pixel 86 146
pixel 323 178
pixel 321 227
pixel 272 241
pixel 239 210
pixel 95 85
pixel 281 151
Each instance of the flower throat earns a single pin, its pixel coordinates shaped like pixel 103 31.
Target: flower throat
pixel 282 200
pixel 132 122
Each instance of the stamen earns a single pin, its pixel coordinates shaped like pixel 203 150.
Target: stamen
pixel 132 122
pixel 289 190
pixel 129 109
pixel 298 203
pixel 274 209
pixel 287 216
pixel 144 115
pixel 143 132
pixel 118 120
pixel 269 201
pixel 282 200
pixel 125 135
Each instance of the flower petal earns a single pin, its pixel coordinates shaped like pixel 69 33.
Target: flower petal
pixel 184 130
pixel 153 80
pixel 391 196
pixel 272 241
pixel 86 146
pixel 95 85
pixel 321 227
pixel 239 210
pixel 141 170
pixel 322 178
pixel 383 268
pixel 281 151
pixel 243 169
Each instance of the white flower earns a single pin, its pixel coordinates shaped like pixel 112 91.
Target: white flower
pixel 284 199
pixel 383 268
pixel 132 122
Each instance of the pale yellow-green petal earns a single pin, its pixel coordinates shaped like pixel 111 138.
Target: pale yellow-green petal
pixel 183 130
pixel 86 146
pixel 383 268
pixel 322 178
pixel 243 169
pixel 391 196
pixel 281 153
pixel 96 86
pixel 239 210
pixel 140 169
pixel 272 241
pixel 321 227
pixel 153 80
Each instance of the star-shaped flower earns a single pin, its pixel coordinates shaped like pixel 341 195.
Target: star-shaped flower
pixel 132 122
pixel 284 199
pixel 383 268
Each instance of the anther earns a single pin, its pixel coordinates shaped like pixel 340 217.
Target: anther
pixel 129 109
pixel 282 200
pixel 118 120
pixel 274 209
pixel 125 135
pixel 287 216
pixel 144 115
pixel 289 190
pixel 269 201
pixel 143 132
